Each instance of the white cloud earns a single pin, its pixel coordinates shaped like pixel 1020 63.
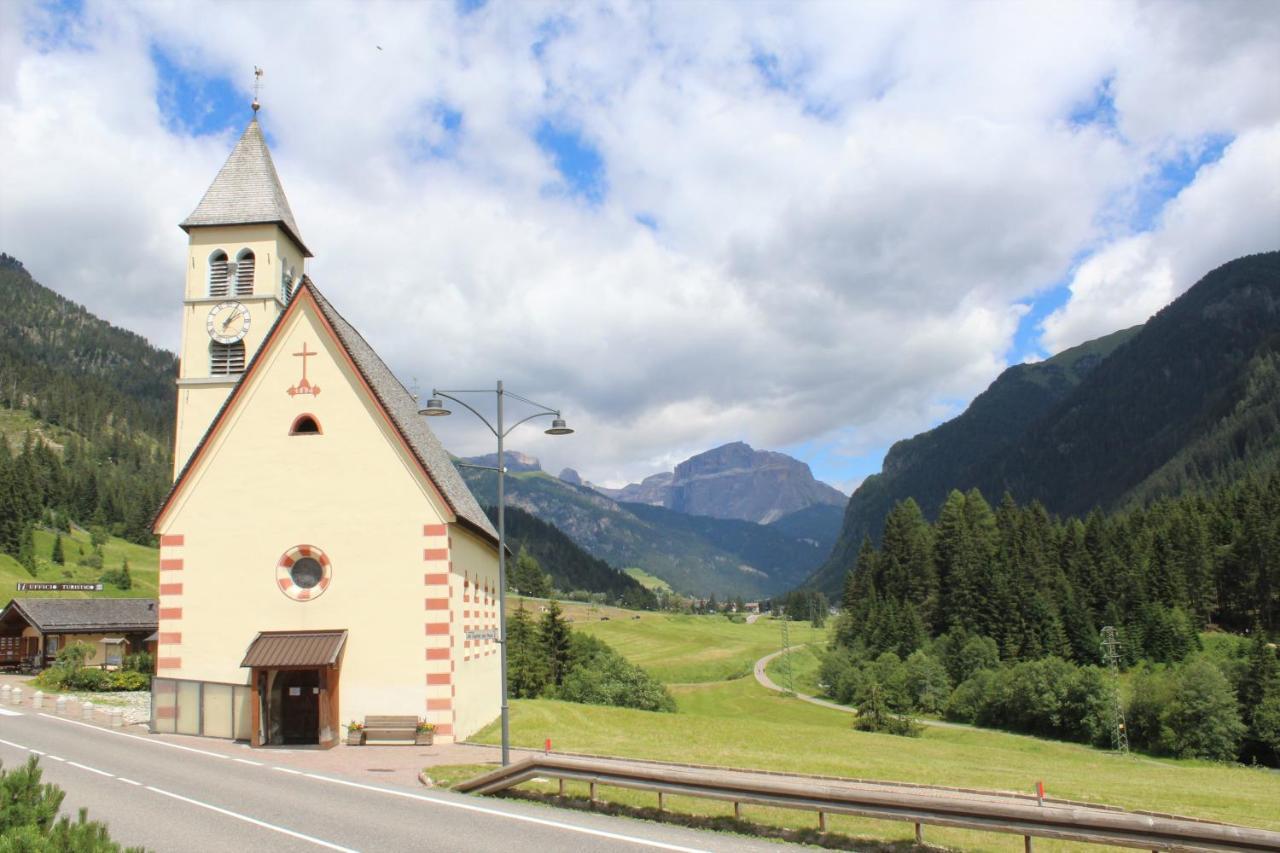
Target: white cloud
pixel 841 258
pixel 1231 209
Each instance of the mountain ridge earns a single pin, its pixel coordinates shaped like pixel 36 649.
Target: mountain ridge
pixel 1105 425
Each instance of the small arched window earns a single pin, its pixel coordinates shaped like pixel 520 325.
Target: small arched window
pixel 244 273
pixel 226 359
pixel 286 282
pixel 305 425
pixel 218 273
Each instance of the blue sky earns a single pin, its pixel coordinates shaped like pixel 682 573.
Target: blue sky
pixel 812 227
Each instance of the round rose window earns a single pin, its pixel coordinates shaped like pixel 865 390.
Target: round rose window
pixel 303 572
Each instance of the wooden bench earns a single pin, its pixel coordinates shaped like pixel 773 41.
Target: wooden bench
pixel 404 728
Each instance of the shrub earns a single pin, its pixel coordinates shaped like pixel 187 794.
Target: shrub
pixel 29 821
pixel 126 680
pixel 73 655
pixel 140 662
pixel 971 697
pixel 600 676
pixel 89 680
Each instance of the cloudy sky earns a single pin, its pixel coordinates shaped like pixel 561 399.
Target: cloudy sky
pixel 814 227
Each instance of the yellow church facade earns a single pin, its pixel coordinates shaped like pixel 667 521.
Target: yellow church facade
pixel 321 559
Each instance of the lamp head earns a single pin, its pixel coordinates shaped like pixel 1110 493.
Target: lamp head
pixel 435 408
pixel 558 427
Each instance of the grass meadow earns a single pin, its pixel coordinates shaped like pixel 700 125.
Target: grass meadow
pixel 725 718
pixel 143 568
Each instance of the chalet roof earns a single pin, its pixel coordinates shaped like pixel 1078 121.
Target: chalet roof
pixel 295 649
pixel 69 615
pixel 247 190
pixel 392 396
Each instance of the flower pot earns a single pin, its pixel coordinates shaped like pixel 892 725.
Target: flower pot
pixel 424 738
pixel 355 738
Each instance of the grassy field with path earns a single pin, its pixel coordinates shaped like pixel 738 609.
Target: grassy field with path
pixel 734 722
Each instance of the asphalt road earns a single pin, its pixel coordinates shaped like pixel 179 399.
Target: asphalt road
pixel 168 796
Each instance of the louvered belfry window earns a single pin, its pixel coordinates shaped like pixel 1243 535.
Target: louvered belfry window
pixel 244 274
pixel 218 274
pixel 226 359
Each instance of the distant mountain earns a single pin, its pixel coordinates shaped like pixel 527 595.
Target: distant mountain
pixel 819 524
pixel 1189 400
pixel 570 567
pixel 516 462
pixel 733 481
pixel 696 556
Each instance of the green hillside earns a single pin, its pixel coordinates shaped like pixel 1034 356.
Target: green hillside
pixel 1187 401
pixel 143 568
pixel 86 418
pixel 569 566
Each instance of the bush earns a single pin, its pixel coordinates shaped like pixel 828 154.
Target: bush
pixel 88 680
pixel 125 680
pixel 927 683
pixel 600 676
pixel 971 697
pixel 29 820
pixel 1203 718
pixel 140 662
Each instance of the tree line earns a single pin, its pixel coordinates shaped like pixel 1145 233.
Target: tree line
pixel 115 485
pixel 1042 586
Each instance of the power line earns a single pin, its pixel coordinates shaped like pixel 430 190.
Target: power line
pixel 1111 654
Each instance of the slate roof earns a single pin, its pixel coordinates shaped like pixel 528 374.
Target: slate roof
pixel 77 615
pixel 395 399
pixel 247 190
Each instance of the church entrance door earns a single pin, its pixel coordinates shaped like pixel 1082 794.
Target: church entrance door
pixel 299 706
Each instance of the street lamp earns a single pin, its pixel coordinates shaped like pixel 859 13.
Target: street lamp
pixel 434 409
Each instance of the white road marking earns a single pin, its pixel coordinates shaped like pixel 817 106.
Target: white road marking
pixel 37 752
pixel 137 737
pixel 12 744
pixel 90 769
pixel 599 833
pixel 128 781
pixel 247 761
pixel 5 712
pixel 251 820
pixel 53 757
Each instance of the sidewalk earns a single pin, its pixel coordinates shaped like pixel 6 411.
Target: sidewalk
pixel 373 765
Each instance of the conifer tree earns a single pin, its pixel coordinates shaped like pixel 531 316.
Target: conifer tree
pixel 526 664
pixel 57 556
pixel 553 635
pixel 27 550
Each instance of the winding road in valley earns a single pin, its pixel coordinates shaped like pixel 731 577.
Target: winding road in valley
pixel 768 683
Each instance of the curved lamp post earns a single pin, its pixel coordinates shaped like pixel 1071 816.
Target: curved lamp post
pixel 435 408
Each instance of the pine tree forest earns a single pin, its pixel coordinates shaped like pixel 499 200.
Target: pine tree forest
pixel 993 616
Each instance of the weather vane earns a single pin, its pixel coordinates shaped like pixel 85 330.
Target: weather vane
pixel 257 87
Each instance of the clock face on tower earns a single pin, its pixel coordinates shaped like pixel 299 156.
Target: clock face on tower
pixel 228 322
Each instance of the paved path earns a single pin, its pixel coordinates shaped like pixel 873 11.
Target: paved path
pixel 766 681
pixel 173 793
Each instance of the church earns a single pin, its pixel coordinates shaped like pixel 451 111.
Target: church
pixel 321 559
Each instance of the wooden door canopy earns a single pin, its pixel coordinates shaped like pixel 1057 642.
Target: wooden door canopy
pixel 295 649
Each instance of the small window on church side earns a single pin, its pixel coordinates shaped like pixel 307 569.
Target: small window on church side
pixel 305 425
pixel 244 273
pixel 226 359
pixel 304 572
pixel 218 274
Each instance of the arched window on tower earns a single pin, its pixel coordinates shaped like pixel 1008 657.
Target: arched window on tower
pixel 226 359
pixel 244 273
pixel 286 282
pixel 218 273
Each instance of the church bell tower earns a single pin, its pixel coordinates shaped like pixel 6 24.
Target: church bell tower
pixel 245 257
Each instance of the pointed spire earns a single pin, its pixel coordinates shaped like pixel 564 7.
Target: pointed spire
pixel 247 190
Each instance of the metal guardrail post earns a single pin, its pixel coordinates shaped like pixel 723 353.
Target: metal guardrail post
pixel 919 833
